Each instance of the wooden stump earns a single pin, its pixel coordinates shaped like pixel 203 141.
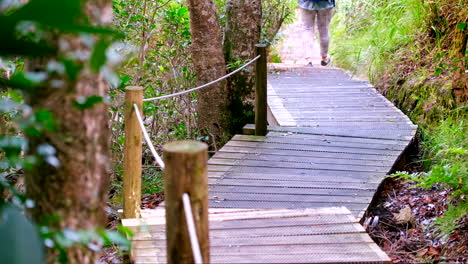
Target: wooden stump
pixel 132 154
pixel 261 92
pixel 186 172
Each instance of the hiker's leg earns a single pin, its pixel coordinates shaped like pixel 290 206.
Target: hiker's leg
pixel 308 22
pixel 323 20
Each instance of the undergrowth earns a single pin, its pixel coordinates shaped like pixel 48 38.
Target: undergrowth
pixel 445 153
pixel 366 33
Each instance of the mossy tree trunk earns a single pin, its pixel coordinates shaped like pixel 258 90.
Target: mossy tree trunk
pixel 209 64
pixel 242 32
pixel 76 189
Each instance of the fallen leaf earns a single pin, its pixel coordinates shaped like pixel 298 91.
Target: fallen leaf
pixel 422 253
pixel 427 199
pixel 433 251
pixel 405 216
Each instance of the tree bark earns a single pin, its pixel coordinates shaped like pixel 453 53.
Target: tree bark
pixel 460 78
pixel 76 190
pixel 242 32
pixel 209 64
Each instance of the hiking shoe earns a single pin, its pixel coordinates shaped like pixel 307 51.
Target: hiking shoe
pixel 325 62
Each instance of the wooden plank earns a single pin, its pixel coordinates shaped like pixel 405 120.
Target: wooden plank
pixel 319 142
pixel 292 184
pixel 293 198
pixel 310 153
pixel 285 221
pixel 298 159
pixel 293 258
pixel 281 240
pixel 402 135
pixel 375 125
pixel 356 209
pixel 303 117
pixel 308 137
pixel 264 232
pixel 289 190
pixel 240 214
pixel 284 249
pixel 297 147
pixel 295 165
pixel 314 175
pixel 292 177
pixel 290 171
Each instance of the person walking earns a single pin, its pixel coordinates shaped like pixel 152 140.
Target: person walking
pixel 320 11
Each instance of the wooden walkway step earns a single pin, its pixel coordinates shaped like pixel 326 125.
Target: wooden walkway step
pixel 297 194
pixel 327 235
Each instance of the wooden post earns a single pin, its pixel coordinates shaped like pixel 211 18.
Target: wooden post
pixel 186 172
pixel 261 91
pixel 132 154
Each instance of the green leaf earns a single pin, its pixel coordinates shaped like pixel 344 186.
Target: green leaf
pixel 72 69
pixel 461 26
pixel 12 146
pixel 11 45
pixel 15 96
pixel 19 242
pixel 113 237
pixel 83 103
pixel 43 116
pixel 98 57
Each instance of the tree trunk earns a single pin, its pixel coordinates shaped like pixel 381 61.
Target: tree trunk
pixel 209 64
pixel 242 32
pixel 76 189
pixel 460 78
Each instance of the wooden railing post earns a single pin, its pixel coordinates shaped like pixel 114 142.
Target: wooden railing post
pixel 132 154
pixel 186 172
pixel 261 91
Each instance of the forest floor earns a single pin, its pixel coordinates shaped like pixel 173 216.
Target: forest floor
pixel 404 228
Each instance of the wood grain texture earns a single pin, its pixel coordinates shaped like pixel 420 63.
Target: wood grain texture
pixel 186 172
pixel 132 153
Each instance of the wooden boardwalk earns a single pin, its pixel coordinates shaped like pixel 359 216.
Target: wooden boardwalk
pixel 296 195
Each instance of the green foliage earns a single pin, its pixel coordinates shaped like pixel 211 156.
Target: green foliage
pixel 365 33
pixel 95 239
pixel 152 181
pixel 447 143
pixel 19 235
pixel 450 221
pixel 446 152
pixel 275 13
pixel 157 35
pixel 32 30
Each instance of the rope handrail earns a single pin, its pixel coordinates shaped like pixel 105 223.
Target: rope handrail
pixel 202 86
pixel 147 138
pixel 191 229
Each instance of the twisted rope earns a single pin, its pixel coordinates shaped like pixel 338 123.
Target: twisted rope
pixel 202 86
pixel 191 229
pixel 147 138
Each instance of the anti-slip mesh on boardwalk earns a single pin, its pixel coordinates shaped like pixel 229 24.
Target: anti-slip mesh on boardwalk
pixel 297 194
